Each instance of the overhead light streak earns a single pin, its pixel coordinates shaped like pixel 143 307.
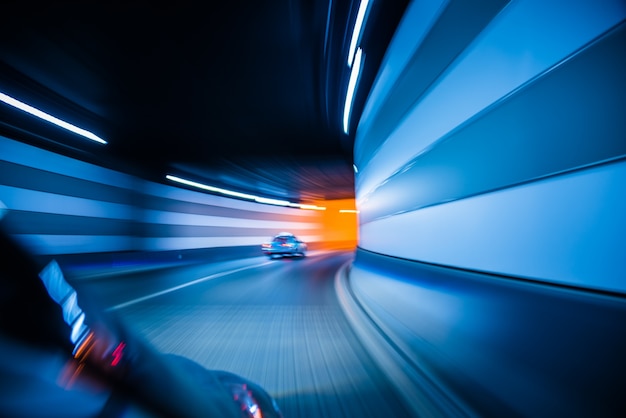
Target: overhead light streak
pixel 356 33
pixel 348 211
pixel 311 207
pixel 269 201
pixel 210 188
pixel 265 200
pixel 354 76
pixel 49 118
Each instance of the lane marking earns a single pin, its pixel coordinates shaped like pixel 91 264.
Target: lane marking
pixel 175 288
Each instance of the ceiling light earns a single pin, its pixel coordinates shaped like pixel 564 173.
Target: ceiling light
pixel 356 33
pixel 272 201
pixel 257 199
pixel 210 188
pixel 354 75
pixel 312 207
pixel 42 115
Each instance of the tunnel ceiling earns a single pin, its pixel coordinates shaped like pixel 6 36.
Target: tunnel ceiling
pixel 243 95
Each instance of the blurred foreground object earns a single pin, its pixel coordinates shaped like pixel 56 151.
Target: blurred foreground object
pixel 59 358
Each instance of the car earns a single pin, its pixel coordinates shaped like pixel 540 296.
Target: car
pixel 65 357
pixel 284 244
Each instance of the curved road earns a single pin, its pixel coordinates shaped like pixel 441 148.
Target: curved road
pixel 277 322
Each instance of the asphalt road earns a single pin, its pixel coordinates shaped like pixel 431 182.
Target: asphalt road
pixel 277 322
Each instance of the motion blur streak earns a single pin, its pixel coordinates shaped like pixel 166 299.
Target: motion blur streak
pixel 358 28
pixel 57 205
pixel 279 323
pixel 49 118
pixel 63 294
pixel 118 354
pixel 522 175
pixel 490 191
pixel 489 265
pixel 352 85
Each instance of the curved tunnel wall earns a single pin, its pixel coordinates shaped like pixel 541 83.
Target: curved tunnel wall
pixel 494 140
pixel 59 205
pixel 491 185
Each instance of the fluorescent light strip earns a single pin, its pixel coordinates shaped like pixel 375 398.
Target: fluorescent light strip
pixel 348 211
pixel 312 207
pixel 257 199
pixel 210 188
pixel 272 201
pixel 356 33
pixel 42 115
pixel 354 75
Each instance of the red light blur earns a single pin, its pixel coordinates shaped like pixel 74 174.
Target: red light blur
pixel 118 353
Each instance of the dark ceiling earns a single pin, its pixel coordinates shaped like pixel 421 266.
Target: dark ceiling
pixel 244 95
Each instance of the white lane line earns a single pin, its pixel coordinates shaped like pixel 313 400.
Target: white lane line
pixel 173 289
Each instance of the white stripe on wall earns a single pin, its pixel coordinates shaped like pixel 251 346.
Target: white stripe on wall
pixel 52 203
pixel 570 229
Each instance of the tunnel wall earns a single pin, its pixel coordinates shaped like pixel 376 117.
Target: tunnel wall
pixel 491 159
pixel 494 140
pixel 59 205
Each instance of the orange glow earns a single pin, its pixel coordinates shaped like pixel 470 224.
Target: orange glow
pixel 339 228
pixel 70 373
pixel 85 347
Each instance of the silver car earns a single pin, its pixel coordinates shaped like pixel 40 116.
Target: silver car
pixel 284 244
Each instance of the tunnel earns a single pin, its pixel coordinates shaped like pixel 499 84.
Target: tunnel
pixel 479 271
